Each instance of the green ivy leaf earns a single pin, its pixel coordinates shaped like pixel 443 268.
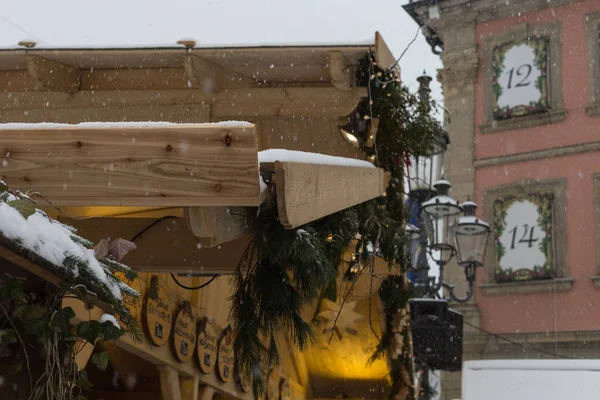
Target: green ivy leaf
pixel 83 382
pixel 60 320
pixel 90 331
pixel 100 360
pixel 111 332
pixel 8 336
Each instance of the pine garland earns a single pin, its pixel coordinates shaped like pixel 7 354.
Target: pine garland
pixel 284 270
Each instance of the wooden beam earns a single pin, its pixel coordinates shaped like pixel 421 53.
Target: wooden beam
pixel 315 101
pixel 54 75
pixel 216 225
pixel 191 105
pixel 212 77
pixel 307 192
pixel 383 55
pixel 169 382
pixel 177 165
pixel 340 72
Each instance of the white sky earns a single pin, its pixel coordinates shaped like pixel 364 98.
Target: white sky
pixel 126 23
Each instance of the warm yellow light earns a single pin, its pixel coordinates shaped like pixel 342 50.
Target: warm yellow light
pixel 330 238
pixel 350 138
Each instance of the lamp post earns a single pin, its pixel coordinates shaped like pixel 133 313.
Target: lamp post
pixel 438 231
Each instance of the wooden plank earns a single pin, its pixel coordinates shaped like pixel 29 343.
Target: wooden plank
pixel 383 55
pixel 122 106
pixel 178 165
pixel 307 192
pixel 54 75
pixel 317 101
pixel 213 77
pixel 177 113
pixel 216 225
pixel 169 383
pixel 340 71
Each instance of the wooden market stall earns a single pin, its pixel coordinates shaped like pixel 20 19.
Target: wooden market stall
pixel 171 184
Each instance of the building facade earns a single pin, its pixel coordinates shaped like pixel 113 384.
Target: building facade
pixel 521 83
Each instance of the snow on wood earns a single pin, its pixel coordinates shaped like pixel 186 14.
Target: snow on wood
pixel 112 125
pixel 51 241
pixel 282 155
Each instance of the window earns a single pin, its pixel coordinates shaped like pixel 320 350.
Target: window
pixel 523 78
pixel 592 25
pixel 528 252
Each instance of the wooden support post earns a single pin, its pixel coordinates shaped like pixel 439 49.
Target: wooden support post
pixel 342 76
pixel 169 382
pixel 54 75
pixel 206 393
pixel 189 388
pixel 83 354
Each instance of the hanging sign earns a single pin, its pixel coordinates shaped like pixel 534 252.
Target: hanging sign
pixel 245 381
pixel 273 385
pixel 523 230
pixel 157 313
pixel 132 303
pixel 520 77
pixel 184 333
pixel 225 358
pixel 207 346
pixel 286 390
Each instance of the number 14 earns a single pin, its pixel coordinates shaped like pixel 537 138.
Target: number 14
pixel 526 230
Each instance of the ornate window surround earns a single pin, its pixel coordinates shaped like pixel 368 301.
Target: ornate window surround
pixel 596 189
pixel 592 31
pixel 557 112
pixel 562 282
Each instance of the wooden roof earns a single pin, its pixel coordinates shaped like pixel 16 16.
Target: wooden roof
pixel 279 64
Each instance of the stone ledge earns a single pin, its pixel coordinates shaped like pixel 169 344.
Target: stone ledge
pixel 530 121
pixel 596 280
pixel 538 154
pixel 593 110
pixel 527 287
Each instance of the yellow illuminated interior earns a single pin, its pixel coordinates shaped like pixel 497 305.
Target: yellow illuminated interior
pixel 116 212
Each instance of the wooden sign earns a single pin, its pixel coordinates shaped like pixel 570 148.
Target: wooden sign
pixel 523 230
pixel 273 385
pixel 286 390
pixel 245 381
pixel 520 78
pixel 132 303
pixel 157 313
pixel 184 333
pixel 207 346
pixel 225 357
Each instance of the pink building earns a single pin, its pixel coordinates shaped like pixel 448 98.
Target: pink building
pixel 521 82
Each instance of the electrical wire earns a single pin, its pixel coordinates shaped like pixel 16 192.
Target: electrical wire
pixel 195 287
pixel 524 347
pixel 154 223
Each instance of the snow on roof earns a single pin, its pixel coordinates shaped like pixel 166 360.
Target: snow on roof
pixel 101 125
pixel 282 155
